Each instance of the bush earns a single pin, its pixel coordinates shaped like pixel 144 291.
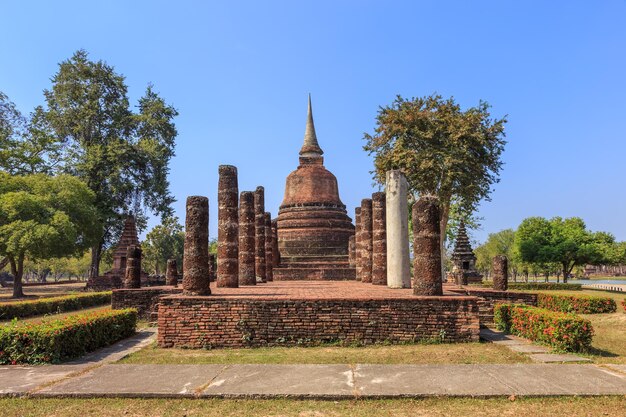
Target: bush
pixel 624 304
pixel 582 304
pixel 53 305
pixel 563 331
pixel 552 286
pixel 54 341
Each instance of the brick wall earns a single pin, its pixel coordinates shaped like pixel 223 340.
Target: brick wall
pixel 488 298
pixel 202 322
pixel 145 300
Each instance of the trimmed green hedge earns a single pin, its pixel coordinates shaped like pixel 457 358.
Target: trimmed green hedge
pixel 552 286
pixel 563 331
pixel 70 337
pixel 53 305
pixel 582 304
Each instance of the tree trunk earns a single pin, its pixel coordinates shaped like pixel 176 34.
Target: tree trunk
pixel 96 255
pixel 17 270
pixel 443 226
pixel 565 272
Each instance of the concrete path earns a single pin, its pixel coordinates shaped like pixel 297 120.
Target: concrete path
pixel 18 380
pixel 338 381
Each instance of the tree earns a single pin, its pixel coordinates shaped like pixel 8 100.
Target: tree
pixel 565 242
pixel 500 243
pixel 122 156
pixel 442 150
pixel 42 217
pixel 164 242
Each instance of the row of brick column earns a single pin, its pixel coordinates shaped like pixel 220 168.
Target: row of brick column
pixel 369 251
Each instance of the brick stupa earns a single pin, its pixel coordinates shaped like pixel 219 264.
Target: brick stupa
pixel 313 225
pixel 463 260
pixel 115 277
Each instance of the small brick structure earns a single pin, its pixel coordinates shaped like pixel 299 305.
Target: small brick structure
pixel 145 300
pixel 488 298
pixel 500 272
pixel 379 239
pixel 132 277
pixel 171 273
pixel 288 313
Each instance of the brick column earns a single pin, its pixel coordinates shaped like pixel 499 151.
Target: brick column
pixel 259 236
pixel 351 252
pixel 398 259
pixel 132 277
pixel 379 240
pixel 227 228
pixel 426 247
pixel 500 272
pixel 269 243
pixel 275 251
pixel 196 252
pixel 358 244
pixel 171 273
pixel 246 239
pixel 366 239
pixel 212 267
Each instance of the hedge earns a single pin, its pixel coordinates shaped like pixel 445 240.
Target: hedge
pixel 53 305
pixel 552 286
pixel 582 304
pixel 54 341
pixel 563 331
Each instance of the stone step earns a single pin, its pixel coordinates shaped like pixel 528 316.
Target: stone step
pixel 314 258
pixel 314 265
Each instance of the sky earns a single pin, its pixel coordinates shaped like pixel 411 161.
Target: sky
pixel 239 73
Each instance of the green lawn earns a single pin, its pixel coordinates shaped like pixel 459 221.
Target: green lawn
pixel 380 354
pixel 521 407
pixel 42 291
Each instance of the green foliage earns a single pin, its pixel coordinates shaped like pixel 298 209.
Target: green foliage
pixel 624 304
pixel 53 305
pixel 582 304
pixel 566 242
pixel 441 149
pixel 552 286
pixel 500 243
pixel 122 156
pixel 164 242
pixel 563 331
pixel 43 217
pixel 57 340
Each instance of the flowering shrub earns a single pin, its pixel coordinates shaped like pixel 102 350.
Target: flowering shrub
pixel 582 304
pixel 624 304
pixel 53 305
pixel 551 286
pixel 562 331
pixel 54 341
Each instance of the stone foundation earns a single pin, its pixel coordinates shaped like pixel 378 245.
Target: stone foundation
pixel 215 322
pixel 145 300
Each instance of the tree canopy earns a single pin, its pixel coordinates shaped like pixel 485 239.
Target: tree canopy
pixel 42 217
pixel 164 242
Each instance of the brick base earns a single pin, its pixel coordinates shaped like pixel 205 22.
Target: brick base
pixel 145 300
pixel 488 298
pixel 203 322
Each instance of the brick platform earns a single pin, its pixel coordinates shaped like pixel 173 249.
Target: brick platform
pixel 487 298
pixel 310 312
pixel 145 300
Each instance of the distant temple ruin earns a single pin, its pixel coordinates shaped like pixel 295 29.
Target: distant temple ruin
pixel 313 225
pixel 463 260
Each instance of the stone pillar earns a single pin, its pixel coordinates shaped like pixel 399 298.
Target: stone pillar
pixel 275 252
pixel 426 247
pixel 246 239
pixel 171 273
pixel 351 252
pixel 500 272
pixel 398 258
pixel 196 252
pixel 259 236
pixel 227 228
pixel 212 267
pixel 379 240
pixel 132 277
pixel 358 244
pixel 269 255
pixel 366 239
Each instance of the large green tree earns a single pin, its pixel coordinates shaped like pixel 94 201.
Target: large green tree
pixel 566 242
pixel 42 217
pixel 442 150
pixel 499 243
pixel 121 155
pixel 164 242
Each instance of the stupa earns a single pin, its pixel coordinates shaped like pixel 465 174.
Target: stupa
pixel 463 260
pixel 313 225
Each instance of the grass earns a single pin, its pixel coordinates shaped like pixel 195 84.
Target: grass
pixel 609 342
pixel 42 291
pixel 378 354
pixel 38 319
pixel 521 407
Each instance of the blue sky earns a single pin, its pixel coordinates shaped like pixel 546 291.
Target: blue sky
pixel 239 74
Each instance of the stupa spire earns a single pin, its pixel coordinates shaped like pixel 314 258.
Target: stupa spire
pixel 310 148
